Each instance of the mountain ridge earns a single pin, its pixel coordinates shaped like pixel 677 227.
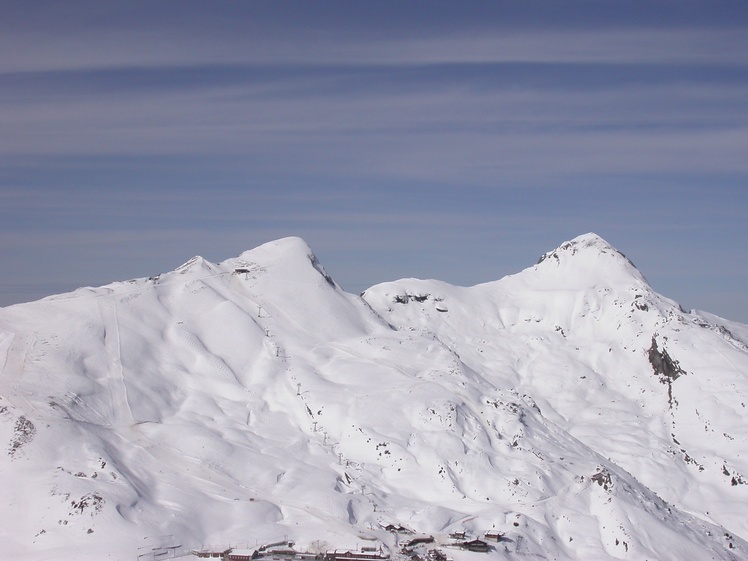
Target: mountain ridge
pixel 545 405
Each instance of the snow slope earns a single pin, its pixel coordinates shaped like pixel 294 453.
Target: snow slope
pixel 250 401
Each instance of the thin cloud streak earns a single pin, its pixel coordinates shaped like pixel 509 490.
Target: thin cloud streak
pixel 120 48
pixel 413 134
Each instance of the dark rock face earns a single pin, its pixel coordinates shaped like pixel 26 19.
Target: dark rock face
pixel 663 364
pixel 603 478
pixel 665 367
pixel 23 434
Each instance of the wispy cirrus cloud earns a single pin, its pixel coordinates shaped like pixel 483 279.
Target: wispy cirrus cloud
pixel 225 33
pixel 424 139
pixel 476 123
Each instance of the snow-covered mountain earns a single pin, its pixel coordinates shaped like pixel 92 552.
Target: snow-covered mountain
pixel 568 407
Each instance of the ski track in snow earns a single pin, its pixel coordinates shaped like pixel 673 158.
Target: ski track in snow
pixel 121 412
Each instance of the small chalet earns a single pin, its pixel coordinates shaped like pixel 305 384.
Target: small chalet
pixel 437 555
pixel 417 541
pixel 398 529
pixel 211 553
pixel 475 545
pixel 242 555
pixel 346 555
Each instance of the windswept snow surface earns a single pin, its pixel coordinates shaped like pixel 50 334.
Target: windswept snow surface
pixel 568 406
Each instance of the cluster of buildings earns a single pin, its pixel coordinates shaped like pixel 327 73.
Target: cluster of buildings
pixel 283 551
pixel 416 548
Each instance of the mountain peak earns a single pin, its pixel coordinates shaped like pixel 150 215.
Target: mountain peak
pixel 291 255
pixel 283 248
pixel 287 253
pixel 589 255
pixel 589 243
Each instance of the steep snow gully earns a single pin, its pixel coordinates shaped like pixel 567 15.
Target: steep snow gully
pixel 564 412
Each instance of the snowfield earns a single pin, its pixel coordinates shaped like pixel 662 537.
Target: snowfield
pixel 568 407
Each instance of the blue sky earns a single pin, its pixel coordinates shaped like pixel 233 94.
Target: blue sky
pixel 399 139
